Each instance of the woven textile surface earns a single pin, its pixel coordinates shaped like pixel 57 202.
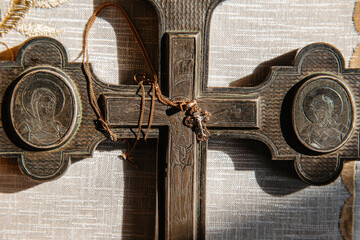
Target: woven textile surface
pixel 248 196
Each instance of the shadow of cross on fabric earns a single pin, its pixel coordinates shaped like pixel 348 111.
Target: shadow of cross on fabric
pixel 41 86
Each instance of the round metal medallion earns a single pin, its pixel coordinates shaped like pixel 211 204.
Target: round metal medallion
pixel 323 114
pixel 44 108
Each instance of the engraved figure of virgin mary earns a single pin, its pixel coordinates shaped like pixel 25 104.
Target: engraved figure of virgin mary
pixel 323 108
pixel 44 109
pixel 41 126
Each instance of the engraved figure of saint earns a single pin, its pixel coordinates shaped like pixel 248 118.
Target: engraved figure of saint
pixel 41 127
pixel 323 111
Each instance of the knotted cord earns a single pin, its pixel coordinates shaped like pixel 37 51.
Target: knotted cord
pixel 141 79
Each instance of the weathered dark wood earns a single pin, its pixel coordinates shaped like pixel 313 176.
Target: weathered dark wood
pixel 281 112
pixel 45 56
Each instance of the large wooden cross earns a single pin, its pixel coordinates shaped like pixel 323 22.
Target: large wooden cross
pixel 305 113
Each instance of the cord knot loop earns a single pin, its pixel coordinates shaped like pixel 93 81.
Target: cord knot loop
pixel 145 78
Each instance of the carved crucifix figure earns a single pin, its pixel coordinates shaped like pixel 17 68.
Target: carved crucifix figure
pixel 305 113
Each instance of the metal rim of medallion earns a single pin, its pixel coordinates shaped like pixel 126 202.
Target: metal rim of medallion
pixel 75 103
pixel 327 85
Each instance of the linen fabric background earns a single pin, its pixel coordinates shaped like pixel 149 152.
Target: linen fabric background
pixel 248 196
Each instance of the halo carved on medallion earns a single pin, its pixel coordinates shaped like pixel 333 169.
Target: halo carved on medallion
pixel 323 113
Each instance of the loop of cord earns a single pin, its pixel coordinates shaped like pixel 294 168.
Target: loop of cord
pixel 141 79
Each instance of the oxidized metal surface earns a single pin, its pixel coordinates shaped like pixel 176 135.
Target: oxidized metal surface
pixel 284 121
pixel 183 70
pixel 184 16
pixel 44 108
pixel 284 113
pixel 323 113
pixel 196 119
pixel 44 123
pixel 237 113
pixel 182 64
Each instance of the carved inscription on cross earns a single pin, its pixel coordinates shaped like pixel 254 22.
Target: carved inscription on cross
pixel 305 113
pixel 47 120
pixel 182 157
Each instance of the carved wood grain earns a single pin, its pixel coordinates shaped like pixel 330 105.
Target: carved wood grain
pixel 254 112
